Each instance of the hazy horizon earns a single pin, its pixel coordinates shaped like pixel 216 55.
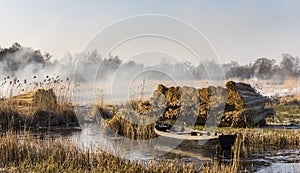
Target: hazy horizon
pixel 239 31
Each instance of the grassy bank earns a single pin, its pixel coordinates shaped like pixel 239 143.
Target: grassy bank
pixel 11 119
pixel 286 114
pixel 271 137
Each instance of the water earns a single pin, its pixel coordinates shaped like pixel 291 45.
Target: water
pixel 270 159
pixel 96 138
pixel 140 150
pixel 252 159
pixel 281 167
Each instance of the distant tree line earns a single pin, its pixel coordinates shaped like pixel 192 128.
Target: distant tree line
pixel 265 68
pixel 17 58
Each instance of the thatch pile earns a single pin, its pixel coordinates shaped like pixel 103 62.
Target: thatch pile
pixel 248 104
pixel 236 105
pixel 36 108
pixel 40 98
pixel 131 124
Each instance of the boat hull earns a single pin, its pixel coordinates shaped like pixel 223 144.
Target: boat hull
pixel 168 138
pixel 187 139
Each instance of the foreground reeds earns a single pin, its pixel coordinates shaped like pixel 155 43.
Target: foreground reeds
pixel 27 154
pixel 31 155
pixel 267 137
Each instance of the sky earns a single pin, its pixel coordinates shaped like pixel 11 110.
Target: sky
pixel 237 30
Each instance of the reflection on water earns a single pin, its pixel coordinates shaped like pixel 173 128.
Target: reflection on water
pixel 270 159
pixel 281 167
pixel 96 138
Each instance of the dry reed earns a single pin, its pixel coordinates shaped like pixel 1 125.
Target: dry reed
pixel 31 155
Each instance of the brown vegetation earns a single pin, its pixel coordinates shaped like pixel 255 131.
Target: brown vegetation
pixel 30 155
pixel 238 104
pixel 129 123
pixel 25 154
pixel 37 108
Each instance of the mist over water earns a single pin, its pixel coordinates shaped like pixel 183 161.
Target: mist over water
pixel 118 79
pixel 89 70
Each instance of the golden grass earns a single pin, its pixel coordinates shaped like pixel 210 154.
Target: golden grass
pixel 261 136
pixel 27 154
pixel 34 103
pixel 125 126
pixel 286 115
pixel 31 155
pixel 11 119
pixel 266 137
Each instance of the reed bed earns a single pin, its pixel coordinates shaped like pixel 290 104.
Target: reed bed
pixel 286 114
pixel 127 126
pixel 270 137
pixel 11 119
pixel 36 102
pixel 25 154
pixel 31 155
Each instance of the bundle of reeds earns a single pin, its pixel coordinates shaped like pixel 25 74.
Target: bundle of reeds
pixel 238 104
pixel 250 103
pixel 36 108
pixel 40 98
pixel 131 125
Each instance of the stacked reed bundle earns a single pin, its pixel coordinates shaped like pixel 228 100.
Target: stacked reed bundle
pixel 36 108
pixel 40 98
pixel 237 105
pixel 249 103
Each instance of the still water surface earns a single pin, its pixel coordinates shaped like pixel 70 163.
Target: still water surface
pixel 253 159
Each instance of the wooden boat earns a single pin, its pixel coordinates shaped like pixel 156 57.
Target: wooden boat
pixel 195 136
pixel 188 135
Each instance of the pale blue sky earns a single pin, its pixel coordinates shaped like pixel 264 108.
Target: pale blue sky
pixel 238 30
